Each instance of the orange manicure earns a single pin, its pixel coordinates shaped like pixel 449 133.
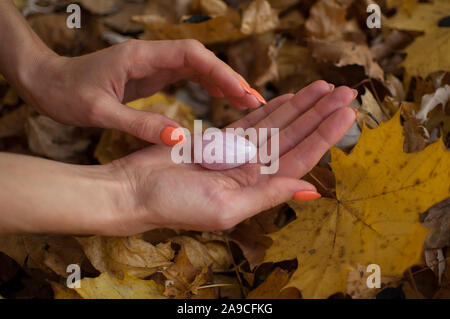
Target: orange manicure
pixel 244 85
pixel 166 136
pixel 258 96
pixel 303 196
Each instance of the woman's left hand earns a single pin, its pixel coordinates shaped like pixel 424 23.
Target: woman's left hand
pixel 159 193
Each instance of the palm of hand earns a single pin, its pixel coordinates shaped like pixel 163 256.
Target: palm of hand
pixel 188 196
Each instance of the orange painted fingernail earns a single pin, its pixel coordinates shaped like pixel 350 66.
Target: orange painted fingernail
pixel 244 85
pixel 303 196
pixel 356 112
pixel 166 136
pixel 355 93
pixel 258 96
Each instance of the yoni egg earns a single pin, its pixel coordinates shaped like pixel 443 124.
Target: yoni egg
pixel 223 150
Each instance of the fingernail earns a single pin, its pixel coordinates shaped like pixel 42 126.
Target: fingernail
pixel 355 93
pixel 331 86
pixel 303 196
pixel 244 85
pixel 166 136
pixel 258 96
pixel 356 112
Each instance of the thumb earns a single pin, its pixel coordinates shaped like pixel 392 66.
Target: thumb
pixel 148 126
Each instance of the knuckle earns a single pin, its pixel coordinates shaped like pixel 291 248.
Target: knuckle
pixel 192 45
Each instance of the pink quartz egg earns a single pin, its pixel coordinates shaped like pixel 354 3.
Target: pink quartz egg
pixel 228 151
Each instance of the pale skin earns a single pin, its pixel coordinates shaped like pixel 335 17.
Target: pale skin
pixel 146 190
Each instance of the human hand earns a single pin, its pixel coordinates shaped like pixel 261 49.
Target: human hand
pixel 89 90
pixel 160 193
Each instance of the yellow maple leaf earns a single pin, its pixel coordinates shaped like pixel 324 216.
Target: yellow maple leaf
pixel 374 219
pixel 108 287
pixel 422 17
pixel 429 52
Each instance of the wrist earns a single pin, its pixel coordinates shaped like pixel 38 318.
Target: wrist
pixel 107 198
pixel 32 74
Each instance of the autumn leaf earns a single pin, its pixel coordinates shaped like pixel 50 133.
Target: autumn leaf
pixel 380 192
pixel 429 52
pixel 272 287
pixel 108 287
pixel 50 253
pixel 64 292
pixel 342 53
pixel 424 17
pixel 120 255
pixel 259 17
pixel 357 283
pixel 184 280
pixel 213 253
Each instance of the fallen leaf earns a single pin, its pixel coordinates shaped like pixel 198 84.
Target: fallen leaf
pixel 250 235
pixel 424 17
pixel 342 53
pixel 63 292
pixel 375 218
pixel 120 255
pixel 214 254
pixel 57 141
pixel 121 21
pixel 357 287
pixel 430 101
pixel 211 7
pixel 13 123
pixel 108 287
pixel 370 112
pixel 326 20
pixel 50 253
pixel 214 30
pixel 100 6
pixel 428 54
pixel 259 17
pixel 183 279
pixel 437 218
pixel 272 287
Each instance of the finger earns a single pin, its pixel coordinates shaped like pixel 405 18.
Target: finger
pixel 294 107
pixel 301 159
pixel 190 59
pixel 267 194
pixel 212 89
pixel 142 124
pixel 304 125
pixel 254 117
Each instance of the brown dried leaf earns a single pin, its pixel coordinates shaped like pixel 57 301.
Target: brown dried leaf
pixel 13 123
pixel 342 53
pixel 357 283
pixel 120 255
pixel 259 17
pixel 49 138
pixel 200 255
pixel 48 253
